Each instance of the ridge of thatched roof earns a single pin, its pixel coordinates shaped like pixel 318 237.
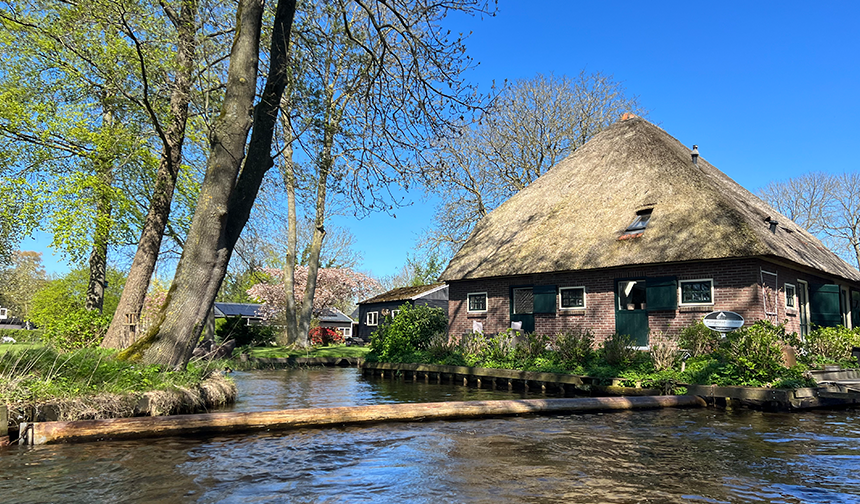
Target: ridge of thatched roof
pixel 405 293
pixel 574 216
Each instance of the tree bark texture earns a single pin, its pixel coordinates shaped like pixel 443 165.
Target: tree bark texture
pixel 95 296
pixel 124 326
pixel 224 203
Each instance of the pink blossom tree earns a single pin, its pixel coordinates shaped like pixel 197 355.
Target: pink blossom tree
pixel 333 286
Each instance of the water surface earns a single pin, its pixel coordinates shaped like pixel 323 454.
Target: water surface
pixel 668 455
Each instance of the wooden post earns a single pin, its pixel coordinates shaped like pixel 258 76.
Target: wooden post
pixel 4 425
pixel 478 381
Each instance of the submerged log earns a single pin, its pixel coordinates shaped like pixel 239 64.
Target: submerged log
pixel 144 427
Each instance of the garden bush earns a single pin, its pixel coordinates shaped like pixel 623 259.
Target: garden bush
pixel 829 345
pixel 319 336
pixel 618 350
pixel 237 329
pixel 77 329
pixel 574 346
pixel 412 329
pixel 753 355
pixel 699 340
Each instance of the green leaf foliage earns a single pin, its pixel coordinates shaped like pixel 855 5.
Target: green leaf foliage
pixel 410 331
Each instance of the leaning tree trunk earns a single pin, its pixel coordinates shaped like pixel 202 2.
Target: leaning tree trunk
pixel 288 336
pixel 224 203
pixel 124 325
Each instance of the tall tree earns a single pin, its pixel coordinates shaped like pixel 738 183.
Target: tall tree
pixel 71 111
pixel 18 282
pixel 533 124
pixel 827 205
pixel 226 196
pixel 365 105
pixel 415 63
pixel 171 136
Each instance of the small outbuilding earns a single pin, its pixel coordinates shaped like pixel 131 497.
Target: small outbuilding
pixel 635 233
pixel 337 320
pixel 372 312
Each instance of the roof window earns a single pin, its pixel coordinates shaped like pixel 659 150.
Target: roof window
pixel 640 222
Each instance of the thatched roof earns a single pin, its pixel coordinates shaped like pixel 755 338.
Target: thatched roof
pixel 404 293
pixel 574 216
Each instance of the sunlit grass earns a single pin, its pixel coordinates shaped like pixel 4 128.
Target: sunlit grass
pixel 322 351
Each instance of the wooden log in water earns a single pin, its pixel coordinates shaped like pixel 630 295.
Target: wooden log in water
pixel 145 427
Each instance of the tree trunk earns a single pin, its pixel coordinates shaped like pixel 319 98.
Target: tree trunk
pixel 325 164
pixel 291 328
pixel 224 203
pixel 123 327
pixel 95 296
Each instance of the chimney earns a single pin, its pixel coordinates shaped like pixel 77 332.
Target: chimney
pixel 695 155
pixel 628 115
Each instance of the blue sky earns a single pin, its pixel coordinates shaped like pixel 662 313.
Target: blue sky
pixel 768 90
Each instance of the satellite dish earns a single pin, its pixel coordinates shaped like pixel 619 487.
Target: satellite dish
pixel 723 321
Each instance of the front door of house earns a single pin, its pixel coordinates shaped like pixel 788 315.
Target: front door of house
pixel 523 308
pixel 631 310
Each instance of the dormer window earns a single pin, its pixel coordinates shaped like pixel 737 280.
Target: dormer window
pixel 640 222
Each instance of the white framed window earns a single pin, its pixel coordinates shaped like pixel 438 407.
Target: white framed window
pixel 571 298
pixel 394 313
pixel 346 332
pixel 4 313
pixel 790 296
pixel 476 302
pixel 372 318
pixel 696 292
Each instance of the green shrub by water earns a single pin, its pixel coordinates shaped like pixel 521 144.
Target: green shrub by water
pixel 411 331
pixel 236 328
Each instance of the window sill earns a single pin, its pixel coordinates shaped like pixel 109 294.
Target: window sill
pixel 697 308
pixel 571 313
pixel 476 315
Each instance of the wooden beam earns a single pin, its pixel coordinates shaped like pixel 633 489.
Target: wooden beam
pixel 145 427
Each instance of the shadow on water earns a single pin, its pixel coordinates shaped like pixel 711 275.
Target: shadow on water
pixel 667 455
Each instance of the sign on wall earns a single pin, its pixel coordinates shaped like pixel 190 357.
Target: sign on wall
pixel 723 321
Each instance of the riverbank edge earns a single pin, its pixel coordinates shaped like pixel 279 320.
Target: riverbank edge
pixel 246 362
pixel 213 392
pixel 768 399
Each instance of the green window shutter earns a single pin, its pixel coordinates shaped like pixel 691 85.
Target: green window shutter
pixel 544 298
pixel 661 293
pixel 824 305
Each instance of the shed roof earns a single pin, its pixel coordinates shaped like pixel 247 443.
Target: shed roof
pixel 575 215
pixel 334 315
pixel 405 293
pixel 247 310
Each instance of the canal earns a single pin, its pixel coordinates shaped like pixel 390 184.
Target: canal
pixel 686 455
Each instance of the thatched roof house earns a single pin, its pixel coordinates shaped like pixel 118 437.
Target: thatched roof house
pixel 634 198
pixel 573 216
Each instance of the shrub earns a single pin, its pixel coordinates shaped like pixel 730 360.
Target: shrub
pixel 754 354
pixel 699 340
pixel 617 350
pixel 324 336
pixel 664 351
pixel 237 329
pixel 575 346
pixel 412 329
pixel 77 329
pixel 828 345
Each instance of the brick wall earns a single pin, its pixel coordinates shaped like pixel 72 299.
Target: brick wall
pixel 737 287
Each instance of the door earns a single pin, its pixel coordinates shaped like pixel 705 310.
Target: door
pixel 631 313
pixel 803 307
pixel 523 308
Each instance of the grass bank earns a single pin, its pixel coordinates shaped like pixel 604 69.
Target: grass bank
pixel 39 383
